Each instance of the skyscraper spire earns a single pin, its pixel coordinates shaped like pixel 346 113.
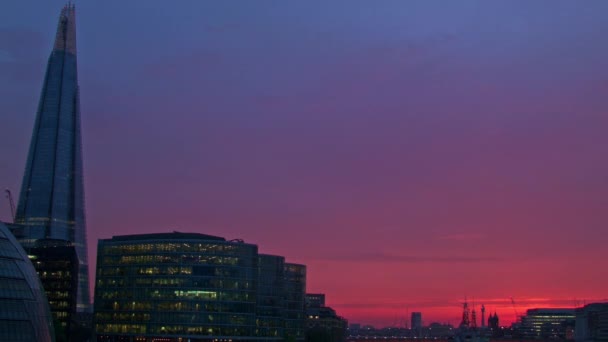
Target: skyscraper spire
pixel 51 202
pixel 65 38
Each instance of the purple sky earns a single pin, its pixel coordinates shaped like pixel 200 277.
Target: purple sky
pixel 410 153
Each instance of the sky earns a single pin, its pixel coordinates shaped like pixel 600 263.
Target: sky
pixel 410 153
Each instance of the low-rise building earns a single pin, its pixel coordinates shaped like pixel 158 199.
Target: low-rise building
pixel 195 287
pixel 548 323
pixel 322 322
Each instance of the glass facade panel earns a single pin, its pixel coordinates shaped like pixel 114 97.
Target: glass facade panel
pixel 7 249
pixel 24 311
pixel 9 269
pixel 176 285
pixel 51 203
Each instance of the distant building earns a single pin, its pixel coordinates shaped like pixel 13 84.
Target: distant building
pixel 494 329
pixel 493 322
pixel 24 310
pixel 438 330
pixel 548 323
pixel 315 300
pixel 592 323
pixel 354 328
pixel 193 287
pixel 416 324
pixel 322 322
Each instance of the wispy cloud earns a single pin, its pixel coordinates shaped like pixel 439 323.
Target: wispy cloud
pixel 521 304
pixel 397 258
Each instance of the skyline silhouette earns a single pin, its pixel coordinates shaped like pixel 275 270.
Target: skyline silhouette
pixel 410 154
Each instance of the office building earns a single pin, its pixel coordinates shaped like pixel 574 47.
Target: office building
pixel 295 300
pixel 56 263
pixel 24 310
pixel 271 296
pixel 315 300
pixel 51 202
pixel 416 323
pixel 548 323
pixel 592 323
pixel 322 322
pixel 195 287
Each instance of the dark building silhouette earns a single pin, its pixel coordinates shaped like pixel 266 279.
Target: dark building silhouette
pixel 315 300
pixel 417 323
pixel 271 296
pixel 195 287
pixel 56 263
pixel 494 326
pixel 592 323
pixel 51 202
pixel 295 299
pixel 24 310
pixel 493 322
pixel 548 323
pixel 322 322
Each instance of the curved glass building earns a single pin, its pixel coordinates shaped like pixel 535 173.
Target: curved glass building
pixel 24 310
pixel 175 286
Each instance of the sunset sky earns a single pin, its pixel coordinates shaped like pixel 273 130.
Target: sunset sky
pixel 410 153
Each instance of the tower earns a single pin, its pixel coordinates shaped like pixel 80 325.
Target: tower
pixel 483 316
pixel 51 202
pixel 417 324
pixel 465 315
pixel 473 318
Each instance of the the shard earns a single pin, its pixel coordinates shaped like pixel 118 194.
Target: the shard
pixel 51 202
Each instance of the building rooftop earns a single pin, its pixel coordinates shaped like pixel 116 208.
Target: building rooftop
pixel 166 236
pixel 537 311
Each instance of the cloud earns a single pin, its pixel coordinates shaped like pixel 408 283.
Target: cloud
pixel 521 304
pixel 387 257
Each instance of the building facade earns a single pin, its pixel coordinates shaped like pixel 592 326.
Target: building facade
pixel 592 323
pixel 416 323
pixel 548 323
pixel 194 287
pixel 24 310
pixel 271 297
pixel 51 202
pixel 315 300
pixel 322 322
pixel 56 264
pixel 295 297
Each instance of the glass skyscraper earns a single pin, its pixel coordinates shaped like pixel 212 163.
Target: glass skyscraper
pixel 51 203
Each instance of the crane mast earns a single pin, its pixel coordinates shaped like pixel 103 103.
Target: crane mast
pixel 515 309
pixel 12 204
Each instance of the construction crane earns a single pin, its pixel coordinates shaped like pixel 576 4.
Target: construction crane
pixel 514 309
pixel 12 204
